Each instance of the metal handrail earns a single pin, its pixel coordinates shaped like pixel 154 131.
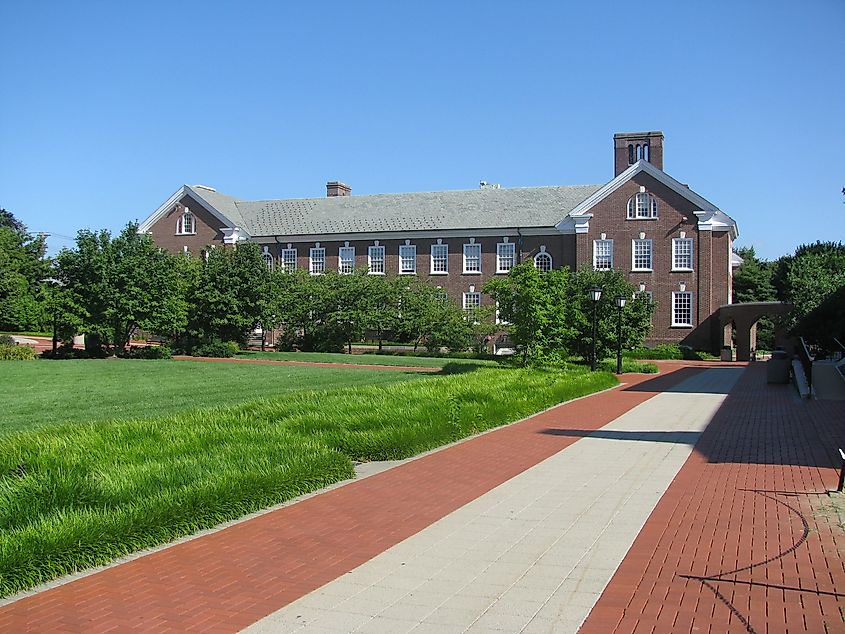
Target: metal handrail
pixel 806 360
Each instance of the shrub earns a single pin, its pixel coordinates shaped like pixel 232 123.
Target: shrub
pixel 6 340
pixel 220 349
pixel 16 353
pixel 150 352
pixel 629 365
pixel 664 351
pixel 437 355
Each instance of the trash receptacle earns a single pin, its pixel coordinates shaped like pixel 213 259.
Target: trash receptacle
pixel 777 368
pixel 727 353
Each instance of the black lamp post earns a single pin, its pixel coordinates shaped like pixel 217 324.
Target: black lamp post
pixel 620 304
pixel 595 296
pixel 54 284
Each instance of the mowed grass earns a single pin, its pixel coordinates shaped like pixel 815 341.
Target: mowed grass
pixel 75 496
pixel 364 359
pixel 42 393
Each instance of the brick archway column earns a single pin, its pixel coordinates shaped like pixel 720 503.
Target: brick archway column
pixel 743 338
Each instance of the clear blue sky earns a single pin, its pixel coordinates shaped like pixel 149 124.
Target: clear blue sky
pixel 108 107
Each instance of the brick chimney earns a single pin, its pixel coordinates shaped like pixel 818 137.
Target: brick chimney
pixel 336 188
pixel 630 147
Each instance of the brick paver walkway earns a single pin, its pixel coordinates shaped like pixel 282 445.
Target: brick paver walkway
pixel 738 543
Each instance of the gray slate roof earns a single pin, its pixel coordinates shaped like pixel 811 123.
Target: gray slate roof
pixel 427 211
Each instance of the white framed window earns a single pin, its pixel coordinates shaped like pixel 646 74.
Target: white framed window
pixel 375 259
pixel 472 301
pixel 346 259
pixel 441 296
pixel 439 258
pixel 472 257
pixel 682 254
pixel 505 256
pixel 289 259
pixel 268 258
pixel 317 260
pixel 682 308
pixel 641 255
pixel 602 254
pixel 642 206
pixel 407 259
pixel 186 224
pixel 543 261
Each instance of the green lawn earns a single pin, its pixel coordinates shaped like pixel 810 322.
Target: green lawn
pixel 39 393
pixel 78 495
pixel 364 359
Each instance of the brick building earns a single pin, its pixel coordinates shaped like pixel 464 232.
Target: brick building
pixel 672 243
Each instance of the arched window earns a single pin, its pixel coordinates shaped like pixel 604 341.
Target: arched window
pixel 543 261
pixel 268 258
pixel 631 159
pixel 185 224
pixel 642 205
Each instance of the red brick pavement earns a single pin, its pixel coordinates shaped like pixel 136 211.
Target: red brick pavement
pixel 227 580
pixel 734 545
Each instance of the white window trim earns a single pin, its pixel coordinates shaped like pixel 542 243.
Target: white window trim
pixel 675 322
pixel 311 262
pixel 595 243
pixel 512 246
pixel 466 295
pixel 544 254
pixel 431 263
pixel 650 255
pixel 180 224
pixel 631 211
pixel 675 242
pixel 340 259
pixel 472 244
pixel 285 267
pixel 268 260
pixel 383 258
pixel 413 249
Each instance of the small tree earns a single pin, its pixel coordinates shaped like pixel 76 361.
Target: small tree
pixel 110 287
pixel 22 269
pixel 381 307
pixel 229 294
pixel 636 317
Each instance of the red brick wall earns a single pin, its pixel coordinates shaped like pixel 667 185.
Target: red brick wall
pixel 207 229
pixel 560 247
pixel 708 281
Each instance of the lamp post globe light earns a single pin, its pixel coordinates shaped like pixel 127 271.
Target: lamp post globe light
pixel 620 304
pixel 595 296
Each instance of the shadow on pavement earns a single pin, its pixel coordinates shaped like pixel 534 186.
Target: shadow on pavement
pixel 699 380
pixel 678 437
pixel 759 423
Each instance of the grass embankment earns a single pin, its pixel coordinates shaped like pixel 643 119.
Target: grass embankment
pixel 363 359
pixel 76 496
pixel 43 393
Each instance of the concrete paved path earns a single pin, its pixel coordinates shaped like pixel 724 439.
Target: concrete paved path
pixel 535 553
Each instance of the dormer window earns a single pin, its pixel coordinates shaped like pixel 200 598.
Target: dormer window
pixel 185 224
pixel 642 206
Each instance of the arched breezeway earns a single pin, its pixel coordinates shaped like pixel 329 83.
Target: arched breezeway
pixel 743 318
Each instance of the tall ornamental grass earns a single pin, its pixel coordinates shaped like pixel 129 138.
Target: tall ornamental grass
pixel 72 497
